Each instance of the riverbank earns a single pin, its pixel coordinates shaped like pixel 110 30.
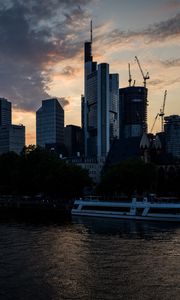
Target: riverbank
pixel 35 207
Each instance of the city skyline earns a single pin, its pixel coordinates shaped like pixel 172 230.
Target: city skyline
pixel 42 52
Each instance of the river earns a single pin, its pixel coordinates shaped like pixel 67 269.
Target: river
pixel 89 259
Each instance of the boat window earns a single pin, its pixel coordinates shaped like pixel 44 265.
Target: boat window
pixel 75 206
pixel 139 210
pixel 106 208
pixel 164 210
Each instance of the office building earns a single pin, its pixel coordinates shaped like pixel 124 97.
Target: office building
pixel 5 112
pixel 50 123
pixel 103 114
pixel 73 140
pixel 100 106
pixel 12 138
pixel 114 106
pixel 132 111
pixel 172 135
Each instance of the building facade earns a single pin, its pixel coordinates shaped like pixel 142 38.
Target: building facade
pixel 94 166
pixel 12 138
pixel 172 135
pixel 73 140
pixel 114 106
pixel 5 112
pixel 100 106
pixel 50 123
pixel 132 111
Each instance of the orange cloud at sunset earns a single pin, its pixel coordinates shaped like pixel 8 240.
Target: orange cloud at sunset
pixel 48 60
pixel 29 120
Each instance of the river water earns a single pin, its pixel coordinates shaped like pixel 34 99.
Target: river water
pixel 89 259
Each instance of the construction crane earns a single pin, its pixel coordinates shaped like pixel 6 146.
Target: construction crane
pixel 154 122
pixel 145 77
pixel 161 114
pixel 130 77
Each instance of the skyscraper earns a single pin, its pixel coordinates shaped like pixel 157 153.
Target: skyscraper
pixel 103 105
pixel 50 123
pixel 12 137
pixel 100 105
pixel 172 135
pixel 5 112
pixel 73 140
pixel 132 111
pixel 114 106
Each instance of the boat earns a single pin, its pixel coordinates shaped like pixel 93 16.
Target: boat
pixel 146 208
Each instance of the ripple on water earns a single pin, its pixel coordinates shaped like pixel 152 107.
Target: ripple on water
pixel 89 259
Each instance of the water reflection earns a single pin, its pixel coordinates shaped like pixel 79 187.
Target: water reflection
pixel 89 258
pixel 125 228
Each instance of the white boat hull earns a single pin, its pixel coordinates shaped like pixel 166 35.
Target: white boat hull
pixel 135 210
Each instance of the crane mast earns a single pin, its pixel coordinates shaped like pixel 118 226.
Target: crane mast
pixel 145 77
pixel 161 114
pixel 130 77
pixel 154 123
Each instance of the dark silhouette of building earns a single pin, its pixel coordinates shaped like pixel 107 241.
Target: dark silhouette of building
pixel 172 135
pixel 99 106
pixel 5 112
pixel 73 139
pixel 132 111
pixel 124 149
pixel 12 137
pixel 50 123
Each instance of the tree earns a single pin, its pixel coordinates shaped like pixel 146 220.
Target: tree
pixel 128 177
pixel 38 171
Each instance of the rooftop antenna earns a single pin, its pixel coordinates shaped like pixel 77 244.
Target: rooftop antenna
pixel 91 34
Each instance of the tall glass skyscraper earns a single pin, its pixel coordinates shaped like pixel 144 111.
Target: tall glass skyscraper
pixel 50 123
pixel 100 106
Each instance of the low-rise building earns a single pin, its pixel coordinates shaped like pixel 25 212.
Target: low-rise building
pixel 92 165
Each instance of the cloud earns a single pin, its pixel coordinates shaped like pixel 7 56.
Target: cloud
pixel 156 82
pixel 64 101
pixel 171 62
pixel 161 31
pixel 34 38
pixel 68 71
pixel 170 5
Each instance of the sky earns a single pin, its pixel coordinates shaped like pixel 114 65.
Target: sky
pixel 41 52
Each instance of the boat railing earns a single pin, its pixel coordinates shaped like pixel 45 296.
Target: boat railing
pixel 106 198
pixel 150 198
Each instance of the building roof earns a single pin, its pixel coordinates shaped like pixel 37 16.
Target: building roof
pixel 123 149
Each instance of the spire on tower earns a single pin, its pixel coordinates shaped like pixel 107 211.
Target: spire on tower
pixel 91 31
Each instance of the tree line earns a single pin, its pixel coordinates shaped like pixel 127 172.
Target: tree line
pixel 37 171
pixel 135 176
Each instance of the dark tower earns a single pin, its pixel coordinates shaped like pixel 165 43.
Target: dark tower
pixel 133 111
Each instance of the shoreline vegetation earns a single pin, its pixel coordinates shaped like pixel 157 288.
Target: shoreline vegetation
pixel 40 174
